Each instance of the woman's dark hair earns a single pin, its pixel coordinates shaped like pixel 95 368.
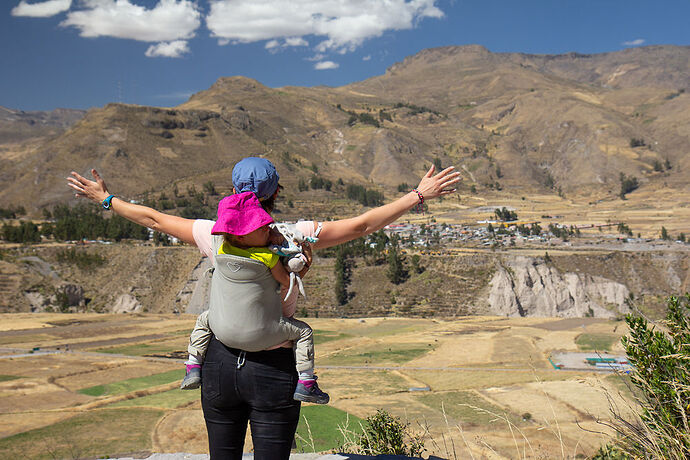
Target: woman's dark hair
pixel 270 203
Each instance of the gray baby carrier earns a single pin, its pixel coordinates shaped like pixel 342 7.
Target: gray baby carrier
pixel 245 309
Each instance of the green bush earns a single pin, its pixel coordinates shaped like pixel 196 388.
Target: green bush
pixel 12 212
pixel 385 434
pixel 25 232
pixel 628 184
pixel 661 361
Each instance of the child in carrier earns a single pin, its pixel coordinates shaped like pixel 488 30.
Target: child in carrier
pixel 243 310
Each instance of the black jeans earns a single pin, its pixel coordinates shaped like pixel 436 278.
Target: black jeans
pixel 258 389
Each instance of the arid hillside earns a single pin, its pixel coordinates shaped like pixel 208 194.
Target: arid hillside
pixel 566 125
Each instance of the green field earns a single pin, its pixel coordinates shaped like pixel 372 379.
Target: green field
pixel 393 354
pixel 98 433
pixel 165 400
pixel 137 383
pixel 318 428
pixel 596 341
pixel 5 378
pixel 321 336
pixel 389 327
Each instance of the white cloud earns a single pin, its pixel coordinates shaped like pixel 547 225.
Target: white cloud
pixel 367 57
pixel 172 49
pixel 272 44
pixel 636 42
pixel 41 10
pixel 169 20
pixel 326 65
pixel 344 24
pixel 296 41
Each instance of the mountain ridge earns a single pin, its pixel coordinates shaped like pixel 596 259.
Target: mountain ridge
pixel 560 124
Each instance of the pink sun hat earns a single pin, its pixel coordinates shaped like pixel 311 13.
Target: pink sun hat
pixel 240 214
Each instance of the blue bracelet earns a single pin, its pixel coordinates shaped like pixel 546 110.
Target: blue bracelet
pixel 106 202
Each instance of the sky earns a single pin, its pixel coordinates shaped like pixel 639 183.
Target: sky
pixel 87 53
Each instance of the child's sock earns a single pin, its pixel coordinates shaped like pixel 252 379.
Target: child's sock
pixel 192 362
pixel 306 378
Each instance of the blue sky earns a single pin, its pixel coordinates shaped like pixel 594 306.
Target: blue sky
pixel 87 53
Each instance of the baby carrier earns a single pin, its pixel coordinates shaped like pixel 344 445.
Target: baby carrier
pixel 245 310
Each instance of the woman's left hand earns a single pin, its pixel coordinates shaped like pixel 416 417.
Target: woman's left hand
pixel 95 191
pixel 432 186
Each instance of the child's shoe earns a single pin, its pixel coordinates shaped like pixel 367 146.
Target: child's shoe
pixel 193 378
pixel 309 391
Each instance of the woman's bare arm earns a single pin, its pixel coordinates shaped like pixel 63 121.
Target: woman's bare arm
pixel 97 191
pixel 341 231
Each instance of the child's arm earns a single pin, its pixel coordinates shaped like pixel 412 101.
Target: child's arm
pixel 280 274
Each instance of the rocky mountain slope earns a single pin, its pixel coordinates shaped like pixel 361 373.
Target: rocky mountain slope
pixel 143 278
pixel 524 123
pixel 17 125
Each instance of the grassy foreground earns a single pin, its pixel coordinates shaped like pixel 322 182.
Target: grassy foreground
pixel 97 433
pixel 318 428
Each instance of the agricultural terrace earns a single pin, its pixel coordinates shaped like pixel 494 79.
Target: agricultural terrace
pixel 106 385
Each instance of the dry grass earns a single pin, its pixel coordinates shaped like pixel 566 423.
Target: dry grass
pixel 479 344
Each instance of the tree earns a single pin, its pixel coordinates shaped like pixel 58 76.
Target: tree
pixel 341 272
pixel 397 273
pixel 628 184
pixel 416 267
pixel 664 234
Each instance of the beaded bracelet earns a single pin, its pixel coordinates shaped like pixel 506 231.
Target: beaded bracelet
pixel 419 207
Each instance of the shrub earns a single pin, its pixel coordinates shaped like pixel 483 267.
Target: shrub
pixel 210 188
pixel 364 196
pixel 634 142
pixel 661 362
pixel 385 434
pixel 12 212
pixel 25 232
pixel 505 215
pixel 628 184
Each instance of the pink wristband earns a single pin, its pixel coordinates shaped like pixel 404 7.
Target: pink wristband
pixel 419 207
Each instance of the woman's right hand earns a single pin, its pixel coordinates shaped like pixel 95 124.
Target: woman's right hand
pixel 94 191
pixel 307 252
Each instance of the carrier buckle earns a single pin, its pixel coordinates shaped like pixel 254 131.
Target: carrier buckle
pixel 241 359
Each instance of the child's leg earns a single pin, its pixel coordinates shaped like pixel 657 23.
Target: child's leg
pixel 307 389
pixel 301 333
pixel 198 344
pixel 199 339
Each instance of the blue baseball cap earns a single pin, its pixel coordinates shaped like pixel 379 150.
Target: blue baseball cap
pixel 256 175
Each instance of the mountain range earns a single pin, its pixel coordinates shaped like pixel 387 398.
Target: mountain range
pixel 570 124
